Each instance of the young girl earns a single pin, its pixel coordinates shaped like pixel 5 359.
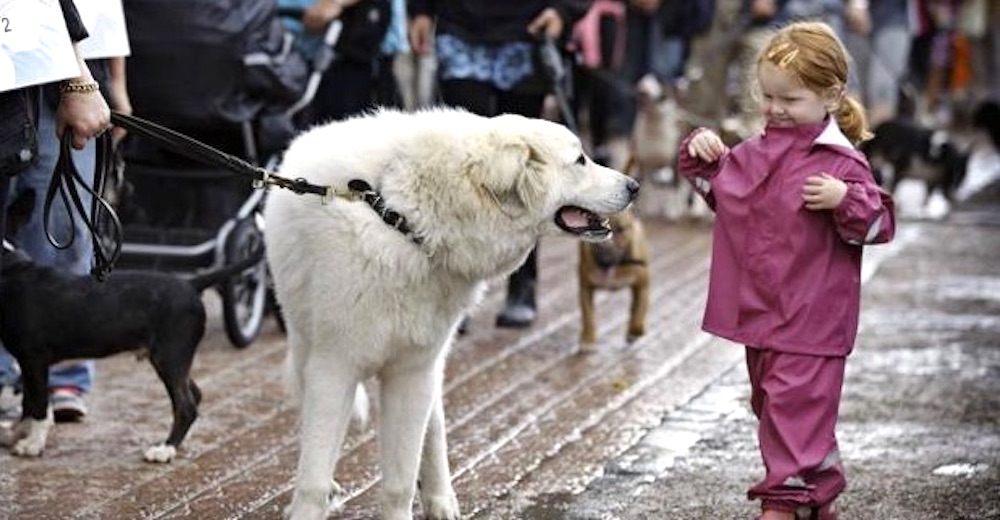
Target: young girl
pixel 794 206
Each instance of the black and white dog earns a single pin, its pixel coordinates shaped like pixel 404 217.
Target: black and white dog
pixel 48 315
pixel 916 152
pixel 938 157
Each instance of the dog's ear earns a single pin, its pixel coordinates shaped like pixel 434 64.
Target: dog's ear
pixel 515 175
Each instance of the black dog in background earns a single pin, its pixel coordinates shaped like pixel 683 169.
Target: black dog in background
pixel 48 315
pixel 916 152
pixel 934 156
pixel 986 119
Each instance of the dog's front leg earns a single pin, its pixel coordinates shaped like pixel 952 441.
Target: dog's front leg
pixel 327 401
pixel 436 493
pixel 640 306
pixel 408 391
pixel 588 334
pixel 32 431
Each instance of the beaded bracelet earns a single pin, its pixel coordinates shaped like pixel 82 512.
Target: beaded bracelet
pixel 79 88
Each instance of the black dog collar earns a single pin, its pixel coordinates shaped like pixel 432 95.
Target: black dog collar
pixel 364 191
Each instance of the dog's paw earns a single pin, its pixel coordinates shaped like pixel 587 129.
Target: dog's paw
pixel 588 347
pixel 632 337
pixel 161 453
pixel 29 436
pixel 443 506
pixel 29 447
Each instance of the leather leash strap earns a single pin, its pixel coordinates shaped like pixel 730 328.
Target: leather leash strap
pixel 67 182
pixel 184 145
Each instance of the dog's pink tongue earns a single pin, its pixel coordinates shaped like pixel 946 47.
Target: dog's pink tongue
pixel 575 218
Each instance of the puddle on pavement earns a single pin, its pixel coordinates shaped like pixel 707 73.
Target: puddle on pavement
pixel 963 469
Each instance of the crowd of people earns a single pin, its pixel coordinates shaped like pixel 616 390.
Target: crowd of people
pixel 739 66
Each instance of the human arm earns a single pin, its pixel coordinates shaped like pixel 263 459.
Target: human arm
pixel 82 109
pixel 421 33
pixel 120 101
pixel 554 19
pixel 320 13
pixel 857 17
pixel 862 211
pixel 699 160
pixel 763 10
pixel 646 6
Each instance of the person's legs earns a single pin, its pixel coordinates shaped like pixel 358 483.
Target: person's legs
pixel 73 378
pixel 890 54
pixel 347 89
pixel 796 399
pixel 520 310
pixel 708 63
pixel 475 96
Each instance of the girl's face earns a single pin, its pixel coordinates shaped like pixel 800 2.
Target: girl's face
pixel 785 101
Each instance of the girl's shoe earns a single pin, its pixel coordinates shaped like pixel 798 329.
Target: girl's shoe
pixel 824 512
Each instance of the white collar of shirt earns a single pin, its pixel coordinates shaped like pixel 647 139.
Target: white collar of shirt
pixel 833 136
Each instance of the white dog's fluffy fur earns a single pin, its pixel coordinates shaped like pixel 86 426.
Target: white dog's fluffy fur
pixel 361 299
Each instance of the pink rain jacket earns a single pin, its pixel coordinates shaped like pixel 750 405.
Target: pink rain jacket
pixel 784 277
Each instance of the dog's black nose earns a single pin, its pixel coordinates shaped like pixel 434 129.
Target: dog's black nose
pixel 633 189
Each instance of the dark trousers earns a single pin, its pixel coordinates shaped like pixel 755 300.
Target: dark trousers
pixel 485 100
pixel 349 88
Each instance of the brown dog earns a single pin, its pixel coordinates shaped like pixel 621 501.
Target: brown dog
pixel 619 262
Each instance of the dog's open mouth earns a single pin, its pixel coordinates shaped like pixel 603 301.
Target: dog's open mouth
pixel 581 222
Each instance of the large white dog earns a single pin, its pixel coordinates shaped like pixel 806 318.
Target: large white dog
pixel 365 295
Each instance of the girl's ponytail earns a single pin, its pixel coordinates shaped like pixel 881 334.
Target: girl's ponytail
pixel 851 119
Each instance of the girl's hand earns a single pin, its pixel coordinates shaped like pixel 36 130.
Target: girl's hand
pixel 823 191
pixel 707 146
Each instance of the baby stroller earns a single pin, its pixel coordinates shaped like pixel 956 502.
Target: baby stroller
pixel 224 73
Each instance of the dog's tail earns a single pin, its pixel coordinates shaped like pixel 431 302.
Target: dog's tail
pixel 210 278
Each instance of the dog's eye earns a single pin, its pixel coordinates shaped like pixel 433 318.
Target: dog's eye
pixel 581 160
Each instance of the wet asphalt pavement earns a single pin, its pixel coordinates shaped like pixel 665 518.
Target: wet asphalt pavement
pixel 920 420
pixel 658 430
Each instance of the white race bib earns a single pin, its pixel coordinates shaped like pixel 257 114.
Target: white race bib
pixel 35 46
pixel 105 22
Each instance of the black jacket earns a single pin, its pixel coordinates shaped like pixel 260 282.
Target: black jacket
pixel 495 21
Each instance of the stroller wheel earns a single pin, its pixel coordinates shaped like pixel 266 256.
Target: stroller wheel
pixel 244 295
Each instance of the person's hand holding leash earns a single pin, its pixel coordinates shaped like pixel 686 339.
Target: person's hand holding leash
pixel 84 112
pixel 82 108
pixel 823 191
pixel 547 23
pixel 707 146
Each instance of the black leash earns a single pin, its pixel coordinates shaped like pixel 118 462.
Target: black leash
pixel 261 177
pixel 555 71
pixel 67 183
pixel 184 145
